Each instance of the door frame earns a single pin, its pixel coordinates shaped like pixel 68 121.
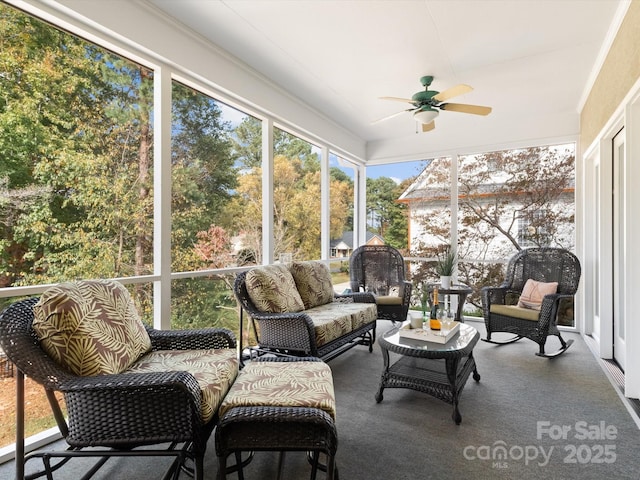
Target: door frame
pixel 598 224
pixel 618 273
pixel 631 238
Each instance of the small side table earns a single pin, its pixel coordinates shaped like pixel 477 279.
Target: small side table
pixel 459 289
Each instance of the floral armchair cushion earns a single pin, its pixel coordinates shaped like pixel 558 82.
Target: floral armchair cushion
pixel 313 281
pixel 214 370
pixel 90 327
pixel 273 290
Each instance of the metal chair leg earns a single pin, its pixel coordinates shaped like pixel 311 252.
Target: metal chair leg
pixel 19 424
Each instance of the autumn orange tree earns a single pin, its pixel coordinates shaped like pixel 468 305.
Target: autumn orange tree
pixel 296 196
pixel 296 225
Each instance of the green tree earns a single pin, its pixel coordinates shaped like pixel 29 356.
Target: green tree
pixel 385 216
pixel 76 144
pixel 397 234
pixel 203 171
pixel 203 181
pixel 50 93
pixel 248 147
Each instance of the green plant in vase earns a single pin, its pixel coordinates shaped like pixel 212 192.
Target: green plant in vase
pixel 446 265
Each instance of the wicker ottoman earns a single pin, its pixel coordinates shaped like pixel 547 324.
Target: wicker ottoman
pixel 279 404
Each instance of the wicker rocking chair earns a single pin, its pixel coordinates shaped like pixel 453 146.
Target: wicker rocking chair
pixel 116 413
pixel 528 301
pixel 380 269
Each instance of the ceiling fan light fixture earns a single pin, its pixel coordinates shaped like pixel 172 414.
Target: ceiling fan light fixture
pixel 426 115
pixel 426 104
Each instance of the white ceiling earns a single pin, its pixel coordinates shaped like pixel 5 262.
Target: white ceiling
pixel 530 60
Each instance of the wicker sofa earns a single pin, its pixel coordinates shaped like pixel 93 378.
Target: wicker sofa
pixel 294 311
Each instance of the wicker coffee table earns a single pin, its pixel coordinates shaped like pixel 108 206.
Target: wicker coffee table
pixel 440 370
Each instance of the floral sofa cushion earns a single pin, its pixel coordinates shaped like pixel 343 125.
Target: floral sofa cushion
pixel 214 370
pixel 272 289
pixel 283 384
pixel 361 313
pixel 313 281
pixel 335 319
pixel 91 327
pixel 329 323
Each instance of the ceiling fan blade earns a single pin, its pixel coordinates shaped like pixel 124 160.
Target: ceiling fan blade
pixel 397 99
pixel 464 108
pixel 452 92
pixel 393 115
pixel 429 126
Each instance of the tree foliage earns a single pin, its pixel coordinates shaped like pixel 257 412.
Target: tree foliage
pixel 248 146
pixel 76 176
pixel 296 195
pixel 70 146
pixel 385 216
pixel 203 173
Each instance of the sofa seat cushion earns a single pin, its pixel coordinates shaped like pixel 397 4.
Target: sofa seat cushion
pixel 214 370
pixel 335 319
pixel 283 384
pixel 90 327
pixel 515 311
pixel 272 289
pixel 361 313
pixel 313 281
pixel 329 322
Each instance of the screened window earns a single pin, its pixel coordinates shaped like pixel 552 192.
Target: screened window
pixel 76 175
pixel 341 198
pixel 76 139
pixel 296 197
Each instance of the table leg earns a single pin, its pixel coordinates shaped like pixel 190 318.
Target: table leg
pixel 476 375
pixel 385 372
pixel 452 376
pixel 462 297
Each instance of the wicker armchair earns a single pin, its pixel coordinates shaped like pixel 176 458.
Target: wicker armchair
pixel 380 269
pixel 116 412
pixel 511 308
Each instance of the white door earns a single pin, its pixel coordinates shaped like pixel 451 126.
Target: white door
pixel 618 314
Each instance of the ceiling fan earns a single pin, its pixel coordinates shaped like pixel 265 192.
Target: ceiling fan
pixel 428 103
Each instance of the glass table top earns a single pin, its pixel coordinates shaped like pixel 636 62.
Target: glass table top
pixel 467 336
